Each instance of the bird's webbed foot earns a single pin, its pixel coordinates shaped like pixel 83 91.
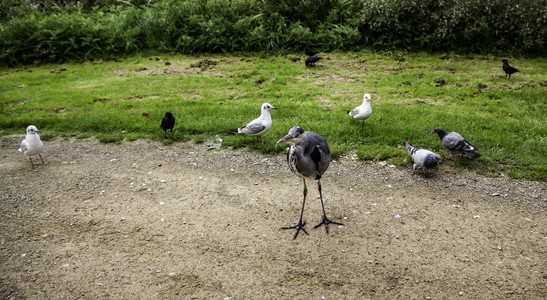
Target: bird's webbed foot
pixel 326 221
pixel 298 227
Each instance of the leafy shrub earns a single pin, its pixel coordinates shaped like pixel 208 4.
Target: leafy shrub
pixel 50 30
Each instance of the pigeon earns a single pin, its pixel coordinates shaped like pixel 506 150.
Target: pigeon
pixel 455 143
pixel 167 123
pixel 310 61
pixel 258 126
pixel 362 111
pixel 508 69
pixel 32 145
pixel 422 158
pixel 310 52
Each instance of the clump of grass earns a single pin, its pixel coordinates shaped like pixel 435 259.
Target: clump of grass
pixel 125 100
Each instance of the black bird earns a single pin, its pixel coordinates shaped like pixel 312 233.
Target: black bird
pixel 310 61
pixel 310 52
pixel 508 69
pixel 167 123
pixel 456 144
pixel 308 157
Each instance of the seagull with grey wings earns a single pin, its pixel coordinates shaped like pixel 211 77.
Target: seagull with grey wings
pixel 456 144
pixel 32 145
pixel 258 126
pixel 423 159
pixel 363 111
pixel 308 157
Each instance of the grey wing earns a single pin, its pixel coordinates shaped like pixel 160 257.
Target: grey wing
pixel 452 141
pixel 463 145
pixel 354 112
pixel 253 128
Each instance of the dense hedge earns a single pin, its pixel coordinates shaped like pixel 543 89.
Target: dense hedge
pixel 54 31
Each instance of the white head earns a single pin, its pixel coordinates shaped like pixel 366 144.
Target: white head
pixel 266 107
pixel 366 98
pixel 33 130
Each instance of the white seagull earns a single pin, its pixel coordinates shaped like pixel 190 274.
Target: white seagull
pixel 32 145
pixel 362 111
pixel 258 126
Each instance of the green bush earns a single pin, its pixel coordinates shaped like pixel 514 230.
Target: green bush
pixel 52 31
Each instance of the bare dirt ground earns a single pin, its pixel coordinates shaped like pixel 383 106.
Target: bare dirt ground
pixel 142 220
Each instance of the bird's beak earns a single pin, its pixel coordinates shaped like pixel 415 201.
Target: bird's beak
pixel 285 139
pixel 39 131
pixel 274 108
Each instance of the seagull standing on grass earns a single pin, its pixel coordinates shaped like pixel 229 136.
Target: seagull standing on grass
pixel 422 158
pixel 308 157
pixel 32 145
pixel 456 144
pixel 167 123
pixel 363 111
pixel 258 126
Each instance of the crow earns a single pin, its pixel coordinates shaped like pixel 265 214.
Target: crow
pixel 167 123
pixel 310 52
pixel 310 61
pixel 508 69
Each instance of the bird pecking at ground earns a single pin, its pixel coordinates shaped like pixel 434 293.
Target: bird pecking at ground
pixel 423 159
pixel 310 61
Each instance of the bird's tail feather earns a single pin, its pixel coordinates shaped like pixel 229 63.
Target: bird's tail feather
pixel 473 154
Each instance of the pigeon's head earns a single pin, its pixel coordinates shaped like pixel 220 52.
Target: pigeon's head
pixel 438 130
pixel 33 130
pixel 294 136
pixel 267 107
pixel 168 114
pixel 432 160
pixel 366 97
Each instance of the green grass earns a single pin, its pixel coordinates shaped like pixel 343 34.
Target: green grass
pixel 504 118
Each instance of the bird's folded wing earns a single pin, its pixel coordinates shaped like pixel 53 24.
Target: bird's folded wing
pixel 355 112
pixel 463 145
pixel 23 146
pixel 254 128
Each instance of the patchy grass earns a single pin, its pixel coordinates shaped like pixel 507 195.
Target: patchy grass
pixel 411 95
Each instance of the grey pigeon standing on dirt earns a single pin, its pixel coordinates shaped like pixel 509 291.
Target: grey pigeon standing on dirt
pixel 508 69
pixel 310 61
pixel 423 159
pixel 167 123
pixel 456 144
pixel 32 145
